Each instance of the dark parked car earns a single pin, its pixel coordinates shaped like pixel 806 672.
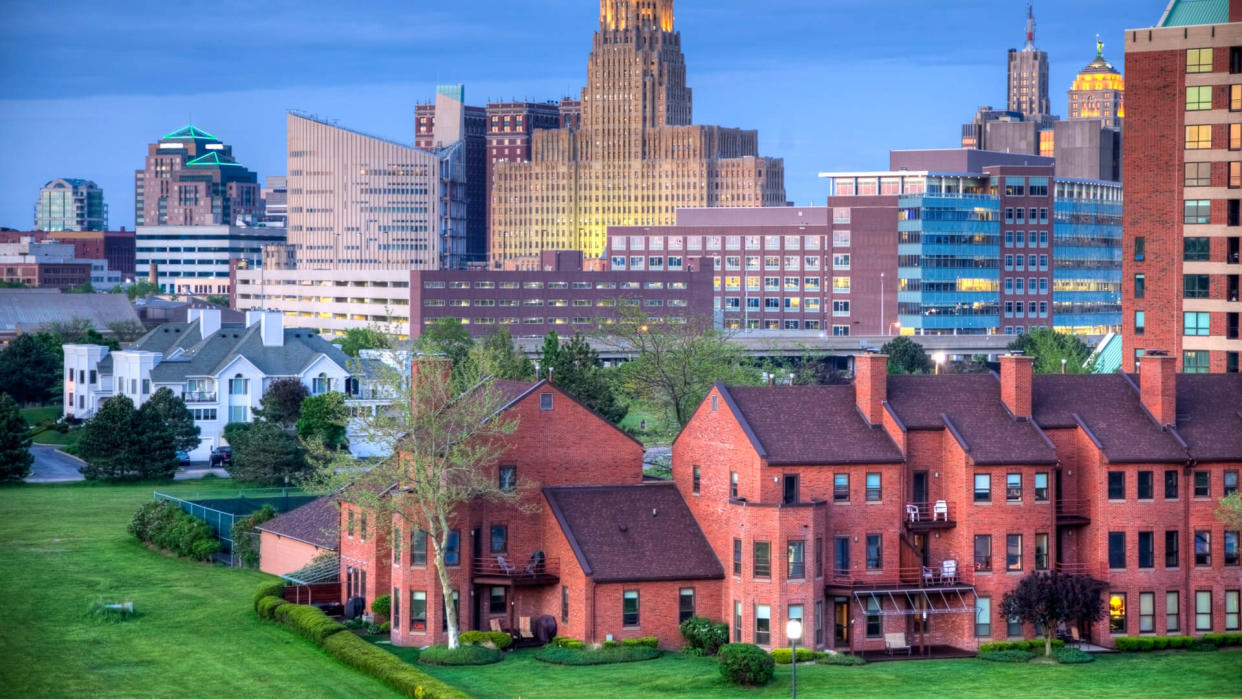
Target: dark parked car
pixel 221 456
pixel 183 459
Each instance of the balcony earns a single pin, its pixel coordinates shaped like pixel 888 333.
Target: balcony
pixel 198 397
pixel 529 571
pixel 1071 568
pixel 945 575
pixel 926 516
pixel 1072 513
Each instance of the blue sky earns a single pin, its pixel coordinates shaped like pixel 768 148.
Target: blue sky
pixel 830 84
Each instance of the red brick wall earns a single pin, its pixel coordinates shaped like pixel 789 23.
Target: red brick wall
pixel 657 607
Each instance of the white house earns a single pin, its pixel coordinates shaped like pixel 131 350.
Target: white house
pixel 220 371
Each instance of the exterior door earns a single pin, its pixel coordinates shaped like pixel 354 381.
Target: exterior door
pixel 841 622
pixel 919 486
pixel 476 543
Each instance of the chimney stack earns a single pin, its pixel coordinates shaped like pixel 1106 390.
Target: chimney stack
pixel 430 380
pixel 1015 378
pixel 1158 385
pixel 871 385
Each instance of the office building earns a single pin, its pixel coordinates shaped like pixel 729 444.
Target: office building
pixel 1183 166
pixel 45 264
pixel 191 178
pixel 1028 77
pixel 1098 92
pixel 635 157
pixel 275 195
pixel 71 204
pixel 327 301
pixel 196 259
pixel 116 247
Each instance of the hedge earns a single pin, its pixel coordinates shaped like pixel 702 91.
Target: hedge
pixel 500 639
pixel 838 659
pixel 605 655
pixel 311 623
pixel 382 606
pixel 783 656
pixel 1072 656
pixel 1034 645
pixel 1007 656
pixel 461 655
pixel 567 642
pixel 1141 644
pixel 746 664
pixel 646 641
pixel 271 589
pixel 166 526
pixel 266 607
pixel 388 668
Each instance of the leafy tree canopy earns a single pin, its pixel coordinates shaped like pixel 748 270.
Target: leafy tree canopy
pixel 176 417
pixel 575 369
pixel 141 288
pixel 1049 347
pixel 496 356
pixel 282 403
pixel 29 369
pixel 1048 599
pixel 905 356
pixel 323 420
pixel 15 456
pixel 1230 511
pixel 357 339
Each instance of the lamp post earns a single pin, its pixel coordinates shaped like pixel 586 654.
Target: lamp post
pixel 883 326
pixel 793 631
pixel 938 358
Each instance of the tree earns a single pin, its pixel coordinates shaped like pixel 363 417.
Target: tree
pixel 356 339
pixel 575 370
pixel 817 371
pixel 177 418
pixel 450 338
pixel 8 284
pixel 263 453
pixel 674 366
pixel 1048 599
pixel 141 287
pixel 246 537
pixel 123 444
pixel 68 331
pixel 15 457
pixel 496 356
pixel 83 288
pixel 126 331
pixel 1049 347
pixel 445 448
pixel 323 419
pixel 153 444
pixel 547 356
pixel 282 403
pixel 218 300
pixel 29 369
pixel 1230 511
pixel 905 356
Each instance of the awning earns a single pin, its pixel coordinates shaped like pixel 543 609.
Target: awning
pixel 958 599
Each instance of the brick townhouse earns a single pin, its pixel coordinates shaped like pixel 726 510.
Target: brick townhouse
pixel 913 503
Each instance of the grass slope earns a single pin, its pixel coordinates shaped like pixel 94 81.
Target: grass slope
pixel 63 547
pixel 34 416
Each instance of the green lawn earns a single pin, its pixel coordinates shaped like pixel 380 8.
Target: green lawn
pixel 62 547
pixel 34 416
pixel 658 432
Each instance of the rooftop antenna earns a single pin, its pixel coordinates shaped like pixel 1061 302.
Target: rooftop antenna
pixel 1030 26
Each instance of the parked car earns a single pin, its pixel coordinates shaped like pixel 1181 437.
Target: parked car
pixel 221 456
pixel 183 459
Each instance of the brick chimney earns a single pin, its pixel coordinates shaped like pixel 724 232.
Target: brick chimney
pixel 1158 385
pixel 871 385
pixel 1015 379
pixel 429 380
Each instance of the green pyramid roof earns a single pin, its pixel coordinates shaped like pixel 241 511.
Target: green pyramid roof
pixel 190 131
pixel 211 158
pixel 1181 13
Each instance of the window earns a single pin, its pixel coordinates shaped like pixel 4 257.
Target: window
pixel 762 554
pixel 1117 612
pixel 1198 60
pixel 983 552
pixel 1041 487
pixel 983 487
pixel 1203 610
pixel 1198 175
pixel 796 560
pixel 796 612
pixel 1195 362
pixel 362 527
pixel 1145 485
pixel 452 552
pixel 819 623
pixel 819 557
pixel 418 610
pixel 238 386
pixel 737 556
pixel 418 547
pixel 349 524
pixel 629 608
pixel 1235 137
pixel 737 621
pixel 875 625
pixel 733 484
pixel 1235 173
pixel 789 495
pixel 1013 627
pixel 1196 323
pixel 1140 286
pixel 1116 485
pixel 1116 549
pixel 841 555
pixel 1172 611
pixel 499 538
pixel 496 603
pixel 545 401
pixel 1146 550
pixel 1198 137
pixel 763 624
pixel 1196 249
pixel 875 551
pixel 1013 487
pixel 696 480
pixel 840 308
pixel 1203 482
pixel 1013 552
pixel 1203 547
pixel 238 413
pixel 1140 248
pixel 508 479
pixel 1231 483
pixel 1172 555
pixel 1041 551
pixel 1198 98
pixel 1147 612
pixel 564 604
pixel 1231 548
pixel 685 604
pixel 1231 609
pixel 873 487
pixel 983 616
pixel 1170 485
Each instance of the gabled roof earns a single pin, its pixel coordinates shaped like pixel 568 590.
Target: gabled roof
pixel 1109 408
pixel 317 523
pixel 969 405
pixel 207 357
pixel 633 533
pixel 808 425
pixel 1209 415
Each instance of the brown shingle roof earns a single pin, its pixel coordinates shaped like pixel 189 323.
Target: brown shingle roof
pixel 989 432
pixel 809 425
pixel 1209 415
pixel 1112 412
pixel 317 523
pixel 632 533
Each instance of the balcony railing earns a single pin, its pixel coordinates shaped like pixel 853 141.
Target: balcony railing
pixel 937 514
pixel 199 397
pixel 1070 568
pixel 943 574
pixel 1072 512
pixel 527 570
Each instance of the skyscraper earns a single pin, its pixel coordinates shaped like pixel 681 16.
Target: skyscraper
pixel 635 158
pixel 1183 212
pixel 1098 92
pixel 191 179
pixel 71 204
pixel 1028 76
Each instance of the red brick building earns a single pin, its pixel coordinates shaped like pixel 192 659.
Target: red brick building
pixel 1183 173
pixel 117 247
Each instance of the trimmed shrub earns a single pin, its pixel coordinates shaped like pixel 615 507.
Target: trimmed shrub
pixel 596 656
pixel 1179 641
pixel 1034 645
pixel 499 639
pixel 746 664
pixel 783 656
pixel 461 655
pixel 1072 656
pixel 566 642
pixel 648 641
pixel 609 644
pixel 266 606
pixel 839 659
pixel 704 634
pixel 386 627
pixel 1202 646
pixel 310 622
pixel 268 589
pixel 1160 643
pixel 166 526
pixel 382 606
pixel 387 668
pixel 1007 656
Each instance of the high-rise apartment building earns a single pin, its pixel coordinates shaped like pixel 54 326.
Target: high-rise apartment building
pixel 71 204
pixel 635 157
pixel 1028 76
pixel 191 179
pixel 361 202
pixel 1183 214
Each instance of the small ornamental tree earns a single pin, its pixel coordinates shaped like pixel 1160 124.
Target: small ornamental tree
pixel 905 356
pixel 176 417
pixel 15 457
pixel 1049 599
pixel 282 403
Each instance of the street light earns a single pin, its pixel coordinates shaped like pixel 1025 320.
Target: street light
pixel 793 631
pixel 938 358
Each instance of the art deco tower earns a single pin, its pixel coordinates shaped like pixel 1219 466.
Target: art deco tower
pixel 636 158
pixel 1028 76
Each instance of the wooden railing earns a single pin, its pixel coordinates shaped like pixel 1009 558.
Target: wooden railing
pixel 524 569
pixel 935 513
pixel 937 575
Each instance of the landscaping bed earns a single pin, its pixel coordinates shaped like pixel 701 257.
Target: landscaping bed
pixel 595 656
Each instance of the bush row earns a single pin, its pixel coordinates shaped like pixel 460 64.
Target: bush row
pixel 166 526
pixel 784 656
pixel 746 664
pixel 1072 656
pixel 1139 644
pixel 1006 656
pixel 604 655
pixel 461 655
pixel 1035 645
pixel 269 603
pixel 704 635
pixel 838 659
pixel 567 642
pixel 500 639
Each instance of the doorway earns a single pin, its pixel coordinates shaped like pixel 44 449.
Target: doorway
pixel 919 486
pixel 841 622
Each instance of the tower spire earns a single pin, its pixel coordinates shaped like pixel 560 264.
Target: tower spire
pixel 1030 26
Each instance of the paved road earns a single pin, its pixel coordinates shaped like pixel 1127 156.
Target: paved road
pixel 52 466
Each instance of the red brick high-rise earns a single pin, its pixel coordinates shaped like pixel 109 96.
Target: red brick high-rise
pixel 1183 165
pixel 190 178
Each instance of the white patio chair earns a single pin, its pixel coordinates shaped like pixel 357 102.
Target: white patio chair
pixel 939 510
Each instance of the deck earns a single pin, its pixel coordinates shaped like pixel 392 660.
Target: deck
pixel 492 570
pixel 916 653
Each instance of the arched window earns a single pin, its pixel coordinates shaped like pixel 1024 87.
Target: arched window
pixel 321 384
pixel 239 385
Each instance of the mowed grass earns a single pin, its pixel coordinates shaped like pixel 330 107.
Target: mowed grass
pixel 64 546
pixel 34 416
pixel 1169 674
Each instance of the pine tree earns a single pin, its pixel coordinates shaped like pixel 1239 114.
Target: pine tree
pixel 28 369
pixel 107 441
pixel 15 457
pixel 177 419
pixel 576 371
pixel 153 445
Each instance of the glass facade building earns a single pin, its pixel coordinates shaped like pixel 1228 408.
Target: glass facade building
pixel 71 204
pixel 1086 286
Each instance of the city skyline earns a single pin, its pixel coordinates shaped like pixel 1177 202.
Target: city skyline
pixel 753 72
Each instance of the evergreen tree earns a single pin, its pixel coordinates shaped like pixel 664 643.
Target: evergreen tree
pixel 15 457
pixel 106 441
pixel 499 358
pixel 905 356
pixel 176 418
pixel 263 453
pixel 152 448
pixel 29 369
pixel 1049 348
pixel 551 347
pixel 323 420
pixel 576 371
pixel 282 403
